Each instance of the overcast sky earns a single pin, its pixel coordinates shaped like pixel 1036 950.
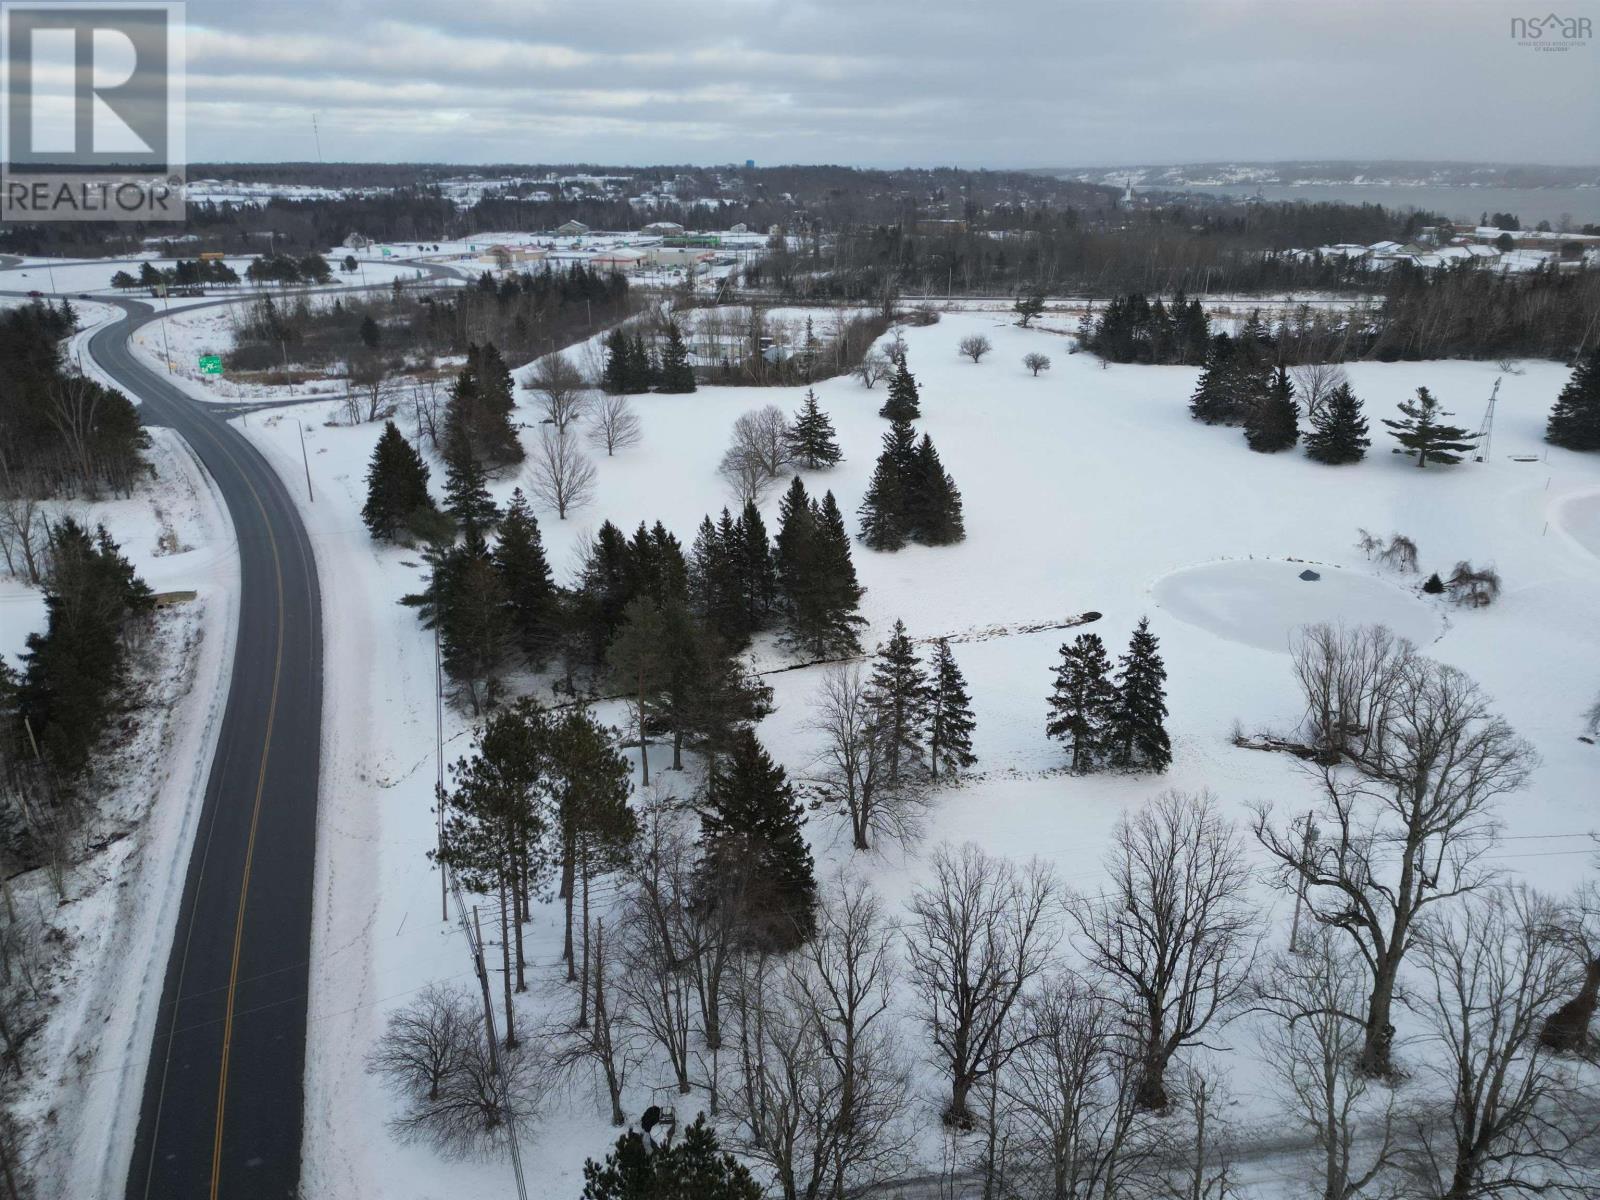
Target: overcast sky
pixel 884 82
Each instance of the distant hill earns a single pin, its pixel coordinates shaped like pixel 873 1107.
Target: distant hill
pixel 1389 172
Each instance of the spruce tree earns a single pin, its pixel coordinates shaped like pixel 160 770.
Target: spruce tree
pixel 899 692
pixel 904 401
pixel 1083 702
pixel 1575 418
pixel 1213 400
pixel 519 560
pixel 676 373
pixel 642 368
pixel 795 547
pixel 811 437
pixel 751 812
pixel 695 1168
pixel 933 512
pixel 1138 732
pixel 835 619
pixel 397 485
pixel 466 488
pixel 1339 430
pixel 615 378
pixel 498 389
pixel 883 507
pixel 1273 422
pixel 950 720
pixel 1423 433
pixel 752 553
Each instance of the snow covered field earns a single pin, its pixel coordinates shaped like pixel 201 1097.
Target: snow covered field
pixel 1086 489
pixel 116 921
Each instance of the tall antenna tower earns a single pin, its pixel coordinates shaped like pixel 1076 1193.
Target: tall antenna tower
pixel 1487 432
pixel 317 135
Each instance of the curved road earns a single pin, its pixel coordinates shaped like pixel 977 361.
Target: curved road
pixel 224 1096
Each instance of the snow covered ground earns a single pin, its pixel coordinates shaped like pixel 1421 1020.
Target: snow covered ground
pixel 115 924
pixel 1086 488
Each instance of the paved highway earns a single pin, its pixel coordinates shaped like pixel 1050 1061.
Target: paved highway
pixel 224 1090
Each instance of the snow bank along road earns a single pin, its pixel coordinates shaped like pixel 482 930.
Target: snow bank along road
pixel 222 1096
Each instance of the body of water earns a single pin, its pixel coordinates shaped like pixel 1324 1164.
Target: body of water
pixel 1531 205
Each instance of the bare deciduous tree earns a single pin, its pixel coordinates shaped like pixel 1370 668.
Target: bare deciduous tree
pixel 745 475
pixel 561 474
pixel 1317 996
pixel 1407 827
pixel 1517 1120
pixel 24 534
pixel 367 388
pixel 974 346
pixel 981 935
pixel 763 435
pixel 1314 382
pixel 613 423
pixel 608 1043
pixel 850 773
pixel 1567 1029
pixel 563 393
pixel 824 1107
pixel 1036 362
pixel 1174 930
pixel 873 369
pixel 458 1093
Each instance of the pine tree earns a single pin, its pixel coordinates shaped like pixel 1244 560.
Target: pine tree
pixel 834 619
pixel 397 485
pixel 1575 418
pixel 519 560
pixel 751 811
pixel 794 549
pixel 642 368
pixel 1138 732
pixel 933 509
pixel 1083 701
pixel 950 720
pixel 1423 434
pixel 899 692
pixel 695 1167
pixel 1273 422
pixel 904 401
pixel 1339 430
pixel 466 487
pixel 811 438
pixel 497 387
pixel 676 373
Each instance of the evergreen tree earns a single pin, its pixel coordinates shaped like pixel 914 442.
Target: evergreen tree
pixel 606 585
pixel 642 368
pixel 794 549
pixel 1575 418
pixel 397 485
pixel 498 389
pixel 695 1168
pixel 933 511
pixel 752 552
pixel 616 378
pixel 480 410
pixel 1028 307
pixel 899 692
pixel 830 620
pixel 466 487
pixel 751 811
pixel 1423 433
pixel 812 441
pixel 883 507
pixel 716 588
pixel 519 560
pixel 1083 702
pixel 1273 422
pixel 371 335
pixel 1339 431
pixel 1138 732
pixel 904 401
pixel 950 720
pixel 466 602
pixel 676 373
pixel 638 658
pixel 73 670
pixel 1213 400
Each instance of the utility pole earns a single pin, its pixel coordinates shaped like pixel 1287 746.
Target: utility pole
pixel 301 429
pixel 166 311
pixel 438 735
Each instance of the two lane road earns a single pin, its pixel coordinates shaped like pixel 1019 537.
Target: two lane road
pixel 223 1095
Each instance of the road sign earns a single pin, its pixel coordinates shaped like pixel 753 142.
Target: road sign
pixel 211 364
pixel 386 252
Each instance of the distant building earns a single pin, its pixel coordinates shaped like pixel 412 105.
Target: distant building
pixel 572 229
pixel 505 256
pixel 938 225
pixel 741 227
pixel 663 229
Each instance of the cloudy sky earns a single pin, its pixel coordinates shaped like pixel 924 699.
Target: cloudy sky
pixel 884 82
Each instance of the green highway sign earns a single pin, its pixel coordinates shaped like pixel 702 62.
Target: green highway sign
pixel 211 364
pixel 386 252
